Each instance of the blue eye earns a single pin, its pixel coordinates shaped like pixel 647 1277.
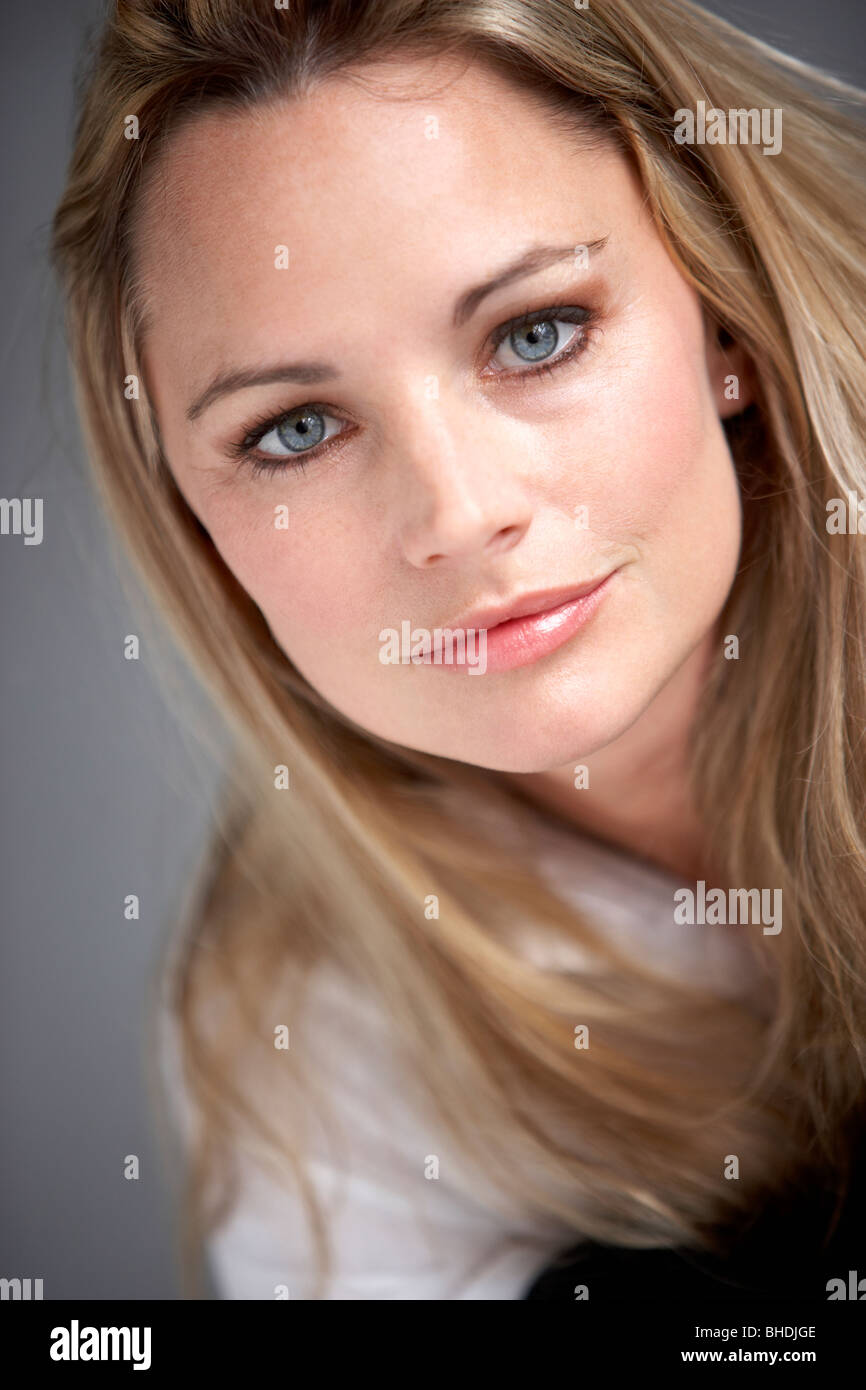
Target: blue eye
pixel 534 339
pixel 287 437
pixel 297 432
pixel 541 339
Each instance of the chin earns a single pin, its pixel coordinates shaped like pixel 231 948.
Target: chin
pixel 527 757
pixel 530 743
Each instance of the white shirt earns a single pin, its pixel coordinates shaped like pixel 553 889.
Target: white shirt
pixel 398 1233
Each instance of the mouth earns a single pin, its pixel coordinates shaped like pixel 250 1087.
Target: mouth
pixel 524 630
pixel 528 605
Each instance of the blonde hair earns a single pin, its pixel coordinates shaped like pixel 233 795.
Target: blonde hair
pixel 339 869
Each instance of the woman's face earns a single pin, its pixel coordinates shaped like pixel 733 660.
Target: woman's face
pixel 434 457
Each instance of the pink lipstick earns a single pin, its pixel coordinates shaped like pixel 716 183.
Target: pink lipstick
pixel 534 625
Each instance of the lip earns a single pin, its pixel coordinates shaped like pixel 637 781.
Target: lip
pixel 527 605
pixel 524 630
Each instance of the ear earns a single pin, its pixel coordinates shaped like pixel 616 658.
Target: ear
pixel 730 371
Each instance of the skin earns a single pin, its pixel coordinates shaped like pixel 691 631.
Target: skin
pixel 435 501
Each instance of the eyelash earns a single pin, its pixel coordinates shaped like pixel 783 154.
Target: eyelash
pixel 242 450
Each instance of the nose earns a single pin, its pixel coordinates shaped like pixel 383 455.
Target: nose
pixel 460 490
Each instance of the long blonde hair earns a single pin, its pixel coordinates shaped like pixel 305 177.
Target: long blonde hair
pixel 339 868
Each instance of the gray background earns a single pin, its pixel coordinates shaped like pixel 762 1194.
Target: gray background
pixel 106 792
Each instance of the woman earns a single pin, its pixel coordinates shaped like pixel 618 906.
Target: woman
pixel 417 334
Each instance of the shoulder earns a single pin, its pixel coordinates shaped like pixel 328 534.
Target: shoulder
pixel 403 1216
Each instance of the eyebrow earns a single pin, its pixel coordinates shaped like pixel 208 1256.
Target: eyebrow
pixel 528 263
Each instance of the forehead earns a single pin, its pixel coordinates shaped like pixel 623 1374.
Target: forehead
pixel 379 184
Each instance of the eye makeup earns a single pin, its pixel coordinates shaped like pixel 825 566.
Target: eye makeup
pixel 244 449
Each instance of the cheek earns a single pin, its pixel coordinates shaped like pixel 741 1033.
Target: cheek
pixel 307 572
pixel 655 463
pixel 662 443
pixel 646 454
pixel 677 493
